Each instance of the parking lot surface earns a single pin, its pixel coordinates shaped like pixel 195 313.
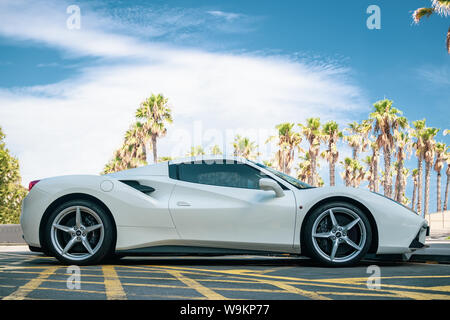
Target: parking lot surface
pixel 26 275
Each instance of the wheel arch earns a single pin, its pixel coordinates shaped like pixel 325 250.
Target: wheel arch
pixel 68 197
pixel 374 244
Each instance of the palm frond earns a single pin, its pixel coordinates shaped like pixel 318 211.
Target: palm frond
pixel 442 7
pixel 422 12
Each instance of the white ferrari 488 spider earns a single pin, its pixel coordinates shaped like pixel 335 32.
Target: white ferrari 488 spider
pixel 212 206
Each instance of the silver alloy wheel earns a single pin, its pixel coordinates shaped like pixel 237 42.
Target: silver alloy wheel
pixel 338 234
pixel 75 226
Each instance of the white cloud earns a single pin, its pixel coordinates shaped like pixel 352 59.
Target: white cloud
pixel 73 126
pixel 226 15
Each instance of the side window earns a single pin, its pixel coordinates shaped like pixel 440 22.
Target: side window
pixel 223 174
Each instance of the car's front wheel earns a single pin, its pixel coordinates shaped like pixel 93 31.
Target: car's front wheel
pixel 337 234
pixel 79 232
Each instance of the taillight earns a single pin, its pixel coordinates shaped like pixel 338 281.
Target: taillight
pixel 32 183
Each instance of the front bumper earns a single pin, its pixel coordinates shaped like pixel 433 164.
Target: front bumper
pixel 419 241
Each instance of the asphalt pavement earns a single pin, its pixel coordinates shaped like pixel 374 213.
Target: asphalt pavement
pixel 26 275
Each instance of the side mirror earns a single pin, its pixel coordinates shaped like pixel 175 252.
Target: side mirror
pixel 269 184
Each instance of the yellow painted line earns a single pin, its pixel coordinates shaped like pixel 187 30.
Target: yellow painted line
pixel 30 286
pixel 279 284
pixel 208 293
pixel 350 281
pixel 295 290
pixel 113 287
pixel 360 294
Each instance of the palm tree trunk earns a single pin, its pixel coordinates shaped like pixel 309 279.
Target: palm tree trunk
pixel 398 183
pixel 387 170
pixel 438 186
pixel 419 184
pixel 446 192
pixel 427 188
pixel 313 170
pixel 375 173
pixel 332 174
pixel 413 201
pixel 155 152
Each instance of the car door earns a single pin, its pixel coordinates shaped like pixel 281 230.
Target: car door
pixel 221 204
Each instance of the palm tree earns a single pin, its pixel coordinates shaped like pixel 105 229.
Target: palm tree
pixel 288 142
pixel 154 113
pixel 132 152
pixel 353 172
pixel 415 176
pixel 403 148
pixel 196 151
pixel 447 172
pixel 358 138
pixel 215 150
pixel 312 133
pixel 330 135
pixel 358 173
pixel 245 148
pixel 164 159
pixel 268 163
pixel 429 154
pixel 418 145
pixel 375 158
pixel 441 149
pixel 447 159
pixel 386 120
pixel 441 7
pixel 304 169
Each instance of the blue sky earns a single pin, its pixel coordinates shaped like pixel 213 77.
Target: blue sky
pixel 67 96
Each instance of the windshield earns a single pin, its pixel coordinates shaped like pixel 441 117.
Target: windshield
pixel 295 182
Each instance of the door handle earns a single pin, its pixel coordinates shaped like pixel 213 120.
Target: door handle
pixel 183 204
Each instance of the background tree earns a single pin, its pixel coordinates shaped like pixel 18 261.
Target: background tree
pixel 215 150
pixel 358 137
pixel 312 133
pixel 154 113
pixel 441 7
pixel 447 185
pixel 429 154
pixel 441 149
pixel 386 120
pixel 347 174
pixel 403 144
pixel 331 135
pixel 196 151
pixel 131 154
pixel 287 141
pixel 245 148
pixel 418 145
pixel 304 169
pixel 415 182
pixel 375 159
pixel 11 190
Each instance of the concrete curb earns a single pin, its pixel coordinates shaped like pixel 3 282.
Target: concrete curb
pixel 11 233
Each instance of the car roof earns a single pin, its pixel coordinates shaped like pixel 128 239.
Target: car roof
pixel 209 158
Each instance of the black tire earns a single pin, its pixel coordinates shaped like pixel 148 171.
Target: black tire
pixel 321 249
pixel 105 248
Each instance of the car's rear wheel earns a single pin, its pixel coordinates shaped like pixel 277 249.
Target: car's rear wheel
pixel 337 234
pixel 79 232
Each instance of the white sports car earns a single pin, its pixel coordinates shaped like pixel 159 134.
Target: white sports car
pixel 211 205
